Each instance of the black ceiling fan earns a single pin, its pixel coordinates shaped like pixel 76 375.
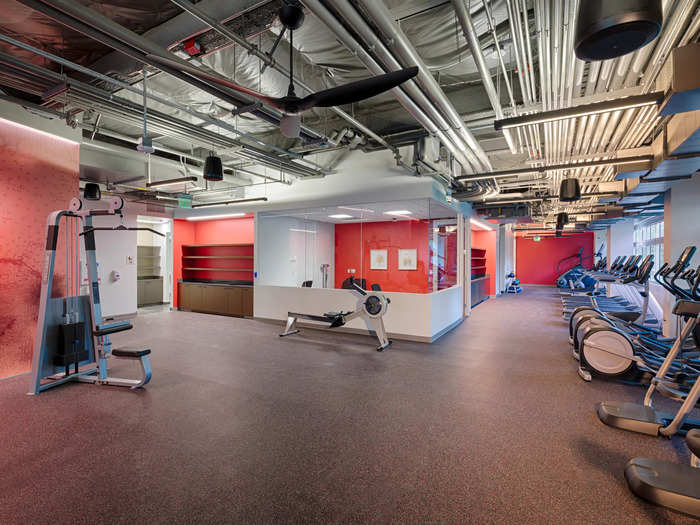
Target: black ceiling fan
pixel 292 17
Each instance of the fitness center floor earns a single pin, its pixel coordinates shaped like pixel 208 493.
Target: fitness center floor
pixel 491 424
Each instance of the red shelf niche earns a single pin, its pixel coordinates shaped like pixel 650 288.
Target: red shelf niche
pixel 220 262
pixel 478 262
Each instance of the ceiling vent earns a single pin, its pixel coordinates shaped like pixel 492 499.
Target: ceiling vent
pixel 608 29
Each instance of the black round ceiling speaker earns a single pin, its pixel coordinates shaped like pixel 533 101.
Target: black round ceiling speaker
pixel 611 28
pixel 570 190
pixel 213 169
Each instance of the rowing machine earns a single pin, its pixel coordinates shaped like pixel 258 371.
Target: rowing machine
pixel 371 306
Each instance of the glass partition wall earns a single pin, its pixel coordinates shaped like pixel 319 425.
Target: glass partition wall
pixel 402 246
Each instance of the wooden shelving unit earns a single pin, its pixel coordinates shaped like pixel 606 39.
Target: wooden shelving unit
pixel 217 279
pixel 218 262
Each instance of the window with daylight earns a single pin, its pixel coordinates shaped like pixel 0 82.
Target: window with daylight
pixel 649 239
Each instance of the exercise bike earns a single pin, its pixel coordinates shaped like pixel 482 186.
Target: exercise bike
pixel 371 307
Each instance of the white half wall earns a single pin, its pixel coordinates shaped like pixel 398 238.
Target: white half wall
pixel 420 317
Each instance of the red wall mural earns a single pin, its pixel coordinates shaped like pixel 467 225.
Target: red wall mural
pixel 223 231
pixel 353 243
pixel 536 261
pixel 487 240
pixel 38 174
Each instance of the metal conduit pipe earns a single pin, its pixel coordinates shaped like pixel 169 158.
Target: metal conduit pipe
pixel 98 27
pixel 469 31
pixel 408 55
pixel 390 63
pixel 57 78
pixel 351 44
pixel 185 155
pixel 270 62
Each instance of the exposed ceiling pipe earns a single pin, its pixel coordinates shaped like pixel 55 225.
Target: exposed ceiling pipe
pixel 409 56
pixel 97 26
pixel 390 63
pixel 469 30
pixel 363 55
pixel 270 62
pixel 249 151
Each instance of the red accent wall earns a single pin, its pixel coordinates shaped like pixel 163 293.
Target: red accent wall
pixel 183 233
pixel 536 261
pixel 353 243
pixel 38 174
pixel 222 231
pixel 487 240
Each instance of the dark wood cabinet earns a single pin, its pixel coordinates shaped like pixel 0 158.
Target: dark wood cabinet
pixel 224 299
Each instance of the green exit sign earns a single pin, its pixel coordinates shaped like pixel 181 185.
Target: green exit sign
pixel 184 201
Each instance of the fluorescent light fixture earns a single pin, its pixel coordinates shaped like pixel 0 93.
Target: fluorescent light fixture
pixel 570 226
pixel 398 213
pixel 355 209
pixel 168 182
pixel 340 216
pixel 215 217
pixel 607 106
pixel 480 224
pixel 225 203
pixel 164 198
pixel 300 230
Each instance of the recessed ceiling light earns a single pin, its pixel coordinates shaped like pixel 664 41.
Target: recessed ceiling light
pixel 214 217
pixel 398 212
pixel 340 216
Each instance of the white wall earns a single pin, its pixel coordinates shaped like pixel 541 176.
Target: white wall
pixel 620 239
pixel 291 251
pixel 681 229
pixel 116 251
pixel 411 315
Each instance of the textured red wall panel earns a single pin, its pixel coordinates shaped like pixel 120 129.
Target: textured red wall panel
pixel 38 174
pixel 353 243
pixel 536 261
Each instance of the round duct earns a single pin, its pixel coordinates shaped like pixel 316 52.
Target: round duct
pixel 570 190
pixel 213 169
pixel 608 29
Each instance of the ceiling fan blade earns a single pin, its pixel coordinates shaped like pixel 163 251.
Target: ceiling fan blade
pixel 356 91
pixel 216 79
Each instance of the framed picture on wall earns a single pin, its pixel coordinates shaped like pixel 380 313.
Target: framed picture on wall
pixel 408 260
pixel 378 260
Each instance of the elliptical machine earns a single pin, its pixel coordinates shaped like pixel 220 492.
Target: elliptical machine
pixel 574 279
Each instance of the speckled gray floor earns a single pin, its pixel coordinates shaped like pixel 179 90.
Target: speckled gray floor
pixel 489 425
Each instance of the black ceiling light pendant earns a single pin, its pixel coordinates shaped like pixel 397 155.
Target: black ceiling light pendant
pixel 213 168
pixel 292 17
pixel 562 220
pixel 608 29
pixel 570 190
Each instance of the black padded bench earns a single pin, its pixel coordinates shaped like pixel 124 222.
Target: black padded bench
pixel 130 353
